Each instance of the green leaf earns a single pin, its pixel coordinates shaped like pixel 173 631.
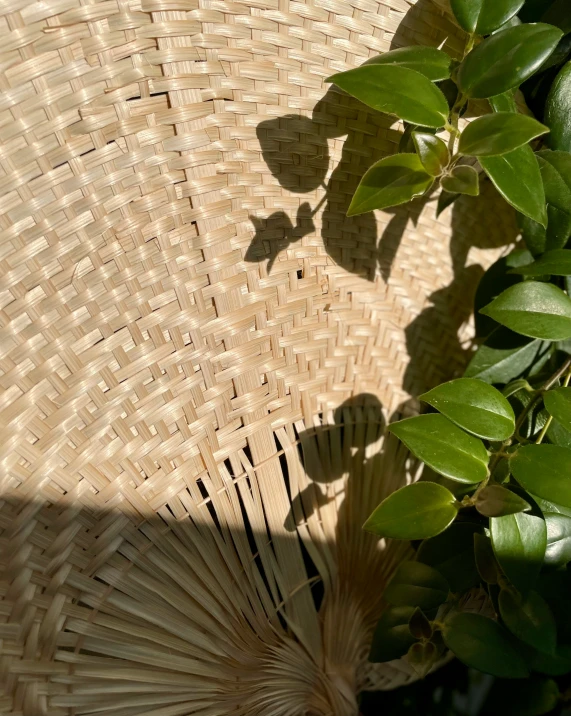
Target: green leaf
pixel 553 665
pixel 558 404
pixel 558 14
pixel 484 645
pixel 417 511
pixel 544 470
pixel 558 551
pixel 416 585
pixel 392 638
pixel 529 619
pixel 419 625
pixel 554 263
pixel 432 152
pixel 444 447
pixel 462 179
pixel 558 435
pixel 497 501
pixel 558 110
pixel 499 133
pixel 452 554
pixel 430 62
pixel 506 59
pixel 505 355
pixel 518 179
pixel 475 406
pixel 503 102
pixel 519 545
pixel 422 657
pixel 533 697
pixel 396 90
pixel 555 587
pixel 486 562
pixel 534 309
pixel 445 199
pixel 481 17
pixel 390 181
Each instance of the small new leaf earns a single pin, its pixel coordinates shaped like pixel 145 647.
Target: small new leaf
pixel 496 501
pixel 419 625
pixel 391 181
pixel 499 133
pixel 422 657
pixel 462 179
pixel 432 152
pixel 417 511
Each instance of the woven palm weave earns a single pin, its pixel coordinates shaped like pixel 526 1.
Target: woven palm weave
pixel 200 352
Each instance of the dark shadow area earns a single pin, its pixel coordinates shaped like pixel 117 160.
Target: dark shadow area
pixel 323 470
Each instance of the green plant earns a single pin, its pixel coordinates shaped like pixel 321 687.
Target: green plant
pixel 495 507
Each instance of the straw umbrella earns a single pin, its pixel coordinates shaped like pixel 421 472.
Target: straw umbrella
pixel 200 352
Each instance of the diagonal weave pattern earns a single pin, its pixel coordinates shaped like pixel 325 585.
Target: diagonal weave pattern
pixel 183 306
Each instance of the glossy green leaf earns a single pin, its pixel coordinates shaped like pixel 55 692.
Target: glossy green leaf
pixel 390 181
pixel 503 102
pixel 445 199
pixel 499 133
pixel 415 584
pixel 396 90
pixel 555 587
pixel 485 559
pixel 417 511
pixel 518 179
pixel 553 665
pixel 558 404
pixel 555 263
pixel 558 110
pixel 392 638
pixel 419 625
pixel 506 59
pixel 475 406
pixel 483 644
pixel 559 14
pixel 544 470
pixel 444 447
pixel 519 543
pixel 534 309
pixel 452 554
pixel 558 435
pixel 505 355
pixel 432 152
pixel 529 618
pixel 497 501
pixel 462 179
pixel 558 551
pixel 430 62
pixel 534 697
pixel 481 17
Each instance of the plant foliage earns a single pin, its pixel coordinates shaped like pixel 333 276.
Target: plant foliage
pixel 504 429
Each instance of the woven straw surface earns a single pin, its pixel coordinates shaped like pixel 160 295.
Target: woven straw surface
pixel 184 307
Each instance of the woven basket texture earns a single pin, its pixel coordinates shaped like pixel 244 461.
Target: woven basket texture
pixel 199 352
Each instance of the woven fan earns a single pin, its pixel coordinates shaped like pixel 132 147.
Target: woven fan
pixel 200 352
